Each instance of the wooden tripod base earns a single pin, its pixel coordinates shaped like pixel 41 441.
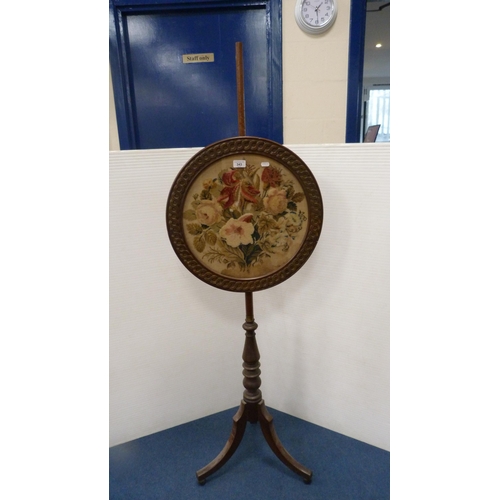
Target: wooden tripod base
pixel 253 412
pixel 252 409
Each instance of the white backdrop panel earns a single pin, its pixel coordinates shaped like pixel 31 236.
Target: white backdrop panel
pixel 176 343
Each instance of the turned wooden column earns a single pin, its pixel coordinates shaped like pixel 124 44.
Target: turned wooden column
pixel 251 365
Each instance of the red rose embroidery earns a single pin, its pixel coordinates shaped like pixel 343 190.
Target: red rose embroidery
pixel 271 176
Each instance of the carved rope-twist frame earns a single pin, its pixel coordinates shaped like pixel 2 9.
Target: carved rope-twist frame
pixel 203 159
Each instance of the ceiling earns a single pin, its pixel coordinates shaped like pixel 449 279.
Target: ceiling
pixel 377 60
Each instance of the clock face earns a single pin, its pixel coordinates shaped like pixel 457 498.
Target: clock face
pixel 317 13
pixel 315 16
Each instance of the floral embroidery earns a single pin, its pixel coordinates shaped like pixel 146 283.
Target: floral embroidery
pixel 276 201
pixel 271 176
pixel 244 218
pixel 208 212
pixel 237 232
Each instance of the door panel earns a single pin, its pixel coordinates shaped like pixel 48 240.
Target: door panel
pixel 169 103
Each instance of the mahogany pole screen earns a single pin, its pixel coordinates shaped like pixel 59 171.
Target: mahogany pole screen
pixel 244 214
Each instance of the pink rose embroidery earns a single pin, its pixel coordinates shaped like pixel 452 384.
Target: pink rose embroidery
pixel 275 202
pixel 208 212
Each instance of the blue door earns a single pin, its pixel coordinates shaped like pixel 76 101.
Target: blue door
pixel 174 71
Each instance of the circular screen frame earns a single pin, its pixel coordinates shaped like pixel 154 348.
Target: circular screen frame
pixel 196 167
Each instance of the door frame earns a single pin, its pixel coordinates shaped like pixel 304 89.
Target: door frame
pixel 119 60
pixel 357 29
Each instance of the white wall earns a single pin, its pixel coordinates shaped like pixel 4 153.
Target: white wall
pixel 176 343
pixel 314 81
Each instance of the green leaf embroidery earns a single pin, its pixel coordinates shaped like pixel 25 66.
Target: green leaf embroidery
pixel 298 197
pixel 199 243
pixel 194 228
pixel 211 238
pixel 189 215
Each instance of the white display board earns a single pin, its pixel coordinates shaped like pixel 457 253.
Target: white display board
pixel 323 335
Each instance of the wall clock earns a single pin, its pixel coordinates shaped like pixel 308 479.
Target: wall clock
pixel 315 16
pixel 244 214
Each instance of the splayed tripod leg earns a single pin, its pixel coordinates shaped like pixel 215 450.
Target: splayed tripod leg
pixel 267 426
pixel 239 424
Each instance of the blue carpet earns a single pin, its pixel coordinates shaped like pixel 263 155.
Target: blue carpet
pixel 163 465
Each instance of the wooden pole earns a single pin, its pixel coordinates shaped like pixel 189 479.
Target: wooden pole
pixel 240 89
pixel 249 306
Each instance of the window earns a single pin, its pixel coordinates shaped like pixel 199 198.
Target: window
pixel 378 111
